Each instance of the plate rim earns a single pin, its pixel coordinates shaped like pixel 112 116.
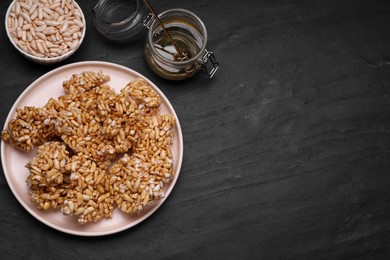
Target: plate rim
pixel 96 64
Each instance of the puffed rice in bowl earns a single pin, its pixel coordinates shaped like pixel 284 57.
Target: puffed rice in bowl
pixel 45 31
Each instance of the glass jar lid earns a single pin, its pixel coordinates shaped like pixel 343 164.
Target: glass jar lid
pixel 120 20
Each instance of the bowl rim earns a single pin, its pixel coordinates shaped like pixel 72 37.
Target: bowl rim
pixel 39 59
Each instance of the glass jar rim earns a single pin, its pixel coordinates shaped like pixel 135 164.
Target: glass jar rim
pixel 190 15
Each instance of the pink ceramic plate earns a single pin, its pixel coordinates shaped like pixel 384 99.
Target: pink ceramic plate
pixel 14 161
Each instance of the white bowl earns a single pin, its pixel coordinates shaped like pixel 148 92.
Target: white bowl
pixel 39 60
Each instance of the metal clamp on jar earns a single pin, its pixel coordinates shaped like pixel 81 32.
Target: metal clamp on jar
pixel 124 20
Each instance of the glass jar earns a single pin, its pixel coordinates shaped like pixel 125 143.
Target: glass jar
pixel 124 20
pixel 190 36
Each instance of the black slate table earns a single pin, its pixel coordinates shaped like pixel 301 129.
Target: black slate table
pixel 286 150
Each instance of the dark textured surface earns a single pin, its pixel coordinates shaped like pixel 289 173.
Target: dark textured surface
pixel 287 149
